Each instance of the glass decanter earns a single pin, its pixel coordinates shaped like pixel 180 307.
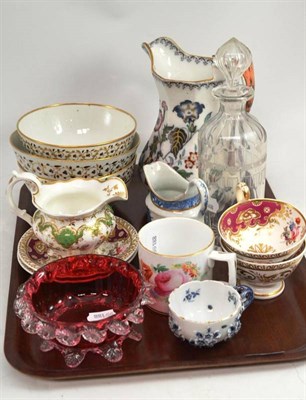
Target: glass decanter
pixel 232 144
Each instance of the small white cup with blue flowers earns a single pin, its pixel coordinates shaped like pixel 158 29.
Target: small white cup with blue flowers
pixel 207 312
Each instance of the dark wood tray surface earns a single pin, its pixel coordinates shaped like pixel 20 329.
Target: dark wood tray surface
pixel 272 330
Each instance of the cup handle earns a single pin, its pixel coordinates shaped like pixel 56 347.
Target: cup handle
pixel 246 295
pixel 230 258
pixel 34 188
pixel 203 190
pixel 242 192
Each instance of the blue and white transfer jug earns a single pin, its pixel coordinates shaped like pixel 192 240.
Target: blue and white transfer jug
pixel 171 195
pixel 184 82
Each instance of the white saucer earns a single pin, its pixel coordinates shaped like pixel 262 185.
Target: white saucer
pixel 33 254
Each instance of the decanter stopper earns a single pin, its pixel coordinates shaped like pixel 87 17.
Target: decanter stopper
pixel 233 58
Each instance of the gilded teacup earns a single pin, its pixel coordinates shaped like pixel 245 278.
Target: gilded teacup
pixel 263 229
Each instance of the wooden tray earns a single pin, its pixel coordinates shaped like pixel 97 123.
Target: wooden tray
pixel 272 330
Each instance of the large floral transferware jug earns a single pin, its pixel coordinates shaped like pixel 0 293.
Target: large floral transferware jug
pixel 184 82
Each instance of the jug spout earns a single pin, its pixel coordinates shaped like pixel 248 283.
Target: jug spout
pixel 168 185
pixel 171 193
pixel 171 63
pixel 114 189
pixel 164 181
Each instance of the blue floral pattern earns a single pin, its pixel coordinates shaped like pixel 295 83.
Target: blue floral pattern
pixel 233 329
pixel 175 328
pixel 207 332
pixel 190 296
pixel 207 339
pixel 189 111
pixel 232 298
pixel 185 163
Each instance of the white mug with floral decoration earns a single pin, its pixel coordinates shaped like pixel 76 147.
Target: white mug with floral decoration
pixel 173 251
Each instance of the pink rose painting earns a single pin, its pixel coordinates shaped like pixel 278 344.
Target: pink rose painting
pixel 167 281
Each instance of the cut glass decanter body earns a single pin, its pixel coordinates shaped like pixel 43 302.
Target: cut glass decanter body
pixel 232 144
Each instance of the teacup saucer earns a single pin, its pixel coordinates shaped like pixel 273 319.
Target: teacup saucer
pixel 33 254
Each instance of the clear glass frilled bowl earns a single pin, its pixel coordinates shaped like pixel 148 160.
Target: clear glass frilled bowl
pixel 81 304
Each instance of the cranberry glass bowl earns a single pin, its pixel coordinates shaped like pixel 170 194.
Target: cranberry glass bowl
pixel 83 303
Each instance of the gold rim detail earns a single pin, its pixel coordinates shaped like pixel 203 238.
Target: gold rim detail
pixel 178 255
pixel 272 294
pixel 75 104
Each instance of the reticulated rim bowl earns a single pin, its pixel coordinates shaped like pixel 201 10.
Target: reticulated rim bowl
pixel 18 147
pixel 119 173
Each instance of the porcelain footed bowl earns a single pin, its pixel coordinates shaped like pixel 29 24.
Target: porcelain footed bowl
pixel 83 303
pixel 262 229
pixel 267 279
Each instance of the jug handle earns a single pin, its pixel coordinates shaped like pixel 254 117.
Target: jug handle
pixel 242 192
pixel 204 193
pixel 246 294
pixel 34 186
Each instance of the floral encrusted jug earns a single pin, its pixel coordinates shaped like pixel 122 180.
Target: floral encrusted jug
pixel 184 82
